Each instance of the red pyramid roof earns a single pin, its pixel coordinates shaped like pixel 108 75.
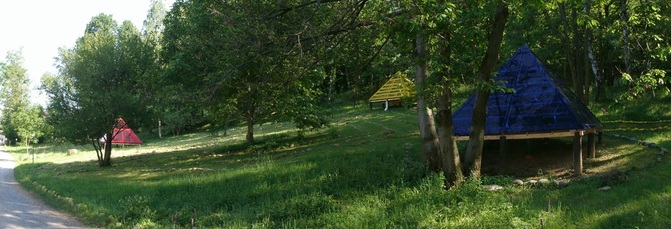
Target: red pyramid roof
pixel 124 135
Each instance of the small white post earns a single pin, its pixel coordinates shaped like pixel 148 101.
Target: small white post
pixel 159 129
pixel 386 105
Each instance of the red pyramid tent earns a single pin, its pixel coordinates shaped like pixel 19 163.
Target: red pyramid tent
pixel 123 135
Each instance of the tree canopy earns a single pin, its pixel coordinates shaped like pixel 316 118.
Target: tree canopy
pixel 250 62
pixel 21 120
pixel 99 82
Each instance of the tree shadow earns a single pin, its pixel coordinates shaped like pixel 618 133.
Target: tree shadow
pixel 641 201
pixel 280 178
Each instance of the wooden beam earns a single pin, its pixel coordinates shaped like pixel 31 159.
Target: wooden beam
pixel 577 153
pixel 556 134
pixel 384 100
pixel 522 136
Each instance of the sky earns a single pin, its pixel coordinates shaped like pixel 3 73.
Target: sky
pixel 39 27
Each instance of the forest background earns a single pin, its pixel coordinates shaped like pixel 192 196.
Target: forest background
pixel 228 63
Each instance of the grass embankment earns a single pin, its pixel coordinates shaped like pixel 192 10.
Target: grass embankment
pixel 364 172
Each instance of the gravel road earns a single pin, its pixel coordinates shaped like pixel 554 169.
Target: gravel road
pixel 18 209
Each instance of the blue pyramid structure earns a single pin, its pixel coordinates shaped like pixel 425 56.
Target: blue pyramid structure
pixel 541 102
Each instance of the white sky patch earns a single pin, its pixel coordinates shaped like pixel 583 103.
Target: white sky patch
pixel 40 27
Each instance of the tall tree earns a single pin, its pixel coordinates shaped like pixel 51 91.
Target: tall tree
pixel 441 58
pixel 259 56
pixel 451 161
pixel 591 56
pixel 473 158
pixel 427 126
pixel 625 36
pixel 152 27
pixel 20 119
pixel 569 51
pixel 97 83
pixel 30 125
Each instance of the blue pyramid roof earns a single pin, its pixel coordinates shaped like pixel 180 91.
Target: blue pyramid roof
pixel 541 102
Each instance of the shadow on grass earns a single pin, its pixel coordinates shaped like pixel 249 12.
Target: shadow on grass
pixel 305 186
pixel 357 176
pixel 623 158
pixel 281 178
pixel 641 201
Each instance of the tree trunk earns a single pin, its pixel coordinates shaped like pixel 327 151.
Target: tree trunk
pixel 579 58
pixel 99 151
pixel 444 123
pixel 107 156
pixel 586 80
pixel 176 129
pixel 590 54
pixel 250 128
pixel 472 162
pixel 427 130
pixel 625 36
pixel 565 39
pixel 448 144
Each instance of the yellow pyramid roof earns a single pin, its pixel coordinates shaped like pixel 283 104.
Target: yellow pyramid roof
pixel 396 88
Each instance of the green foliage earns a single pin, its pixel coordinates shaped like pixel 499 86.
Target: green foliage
pixel 152 27
pixel 101 79
pixel 260 58
pixel 649 50
pixel 227 62
pixel 493 87
pixel 362 179
pixel 21 120
pixel 651 82
pixel 30 124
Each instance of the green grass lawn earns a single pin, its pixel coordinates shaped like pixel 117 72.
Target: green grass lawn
pixel 365 171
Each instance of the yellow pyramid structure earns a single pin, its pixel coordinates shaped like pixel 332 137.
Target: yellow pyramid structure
pixel 394 90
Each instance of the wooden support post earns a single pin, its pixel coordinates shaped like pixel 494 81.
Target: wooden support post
pixel 371 105
pixel 502 154
pixel 577 152
pixel 591 146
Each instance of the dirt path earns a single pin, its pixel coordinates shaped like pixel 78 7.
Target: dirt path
pixel 18 209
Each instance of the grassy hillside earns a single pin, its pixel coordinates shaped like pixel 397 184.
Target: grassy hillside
pixel 363 172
